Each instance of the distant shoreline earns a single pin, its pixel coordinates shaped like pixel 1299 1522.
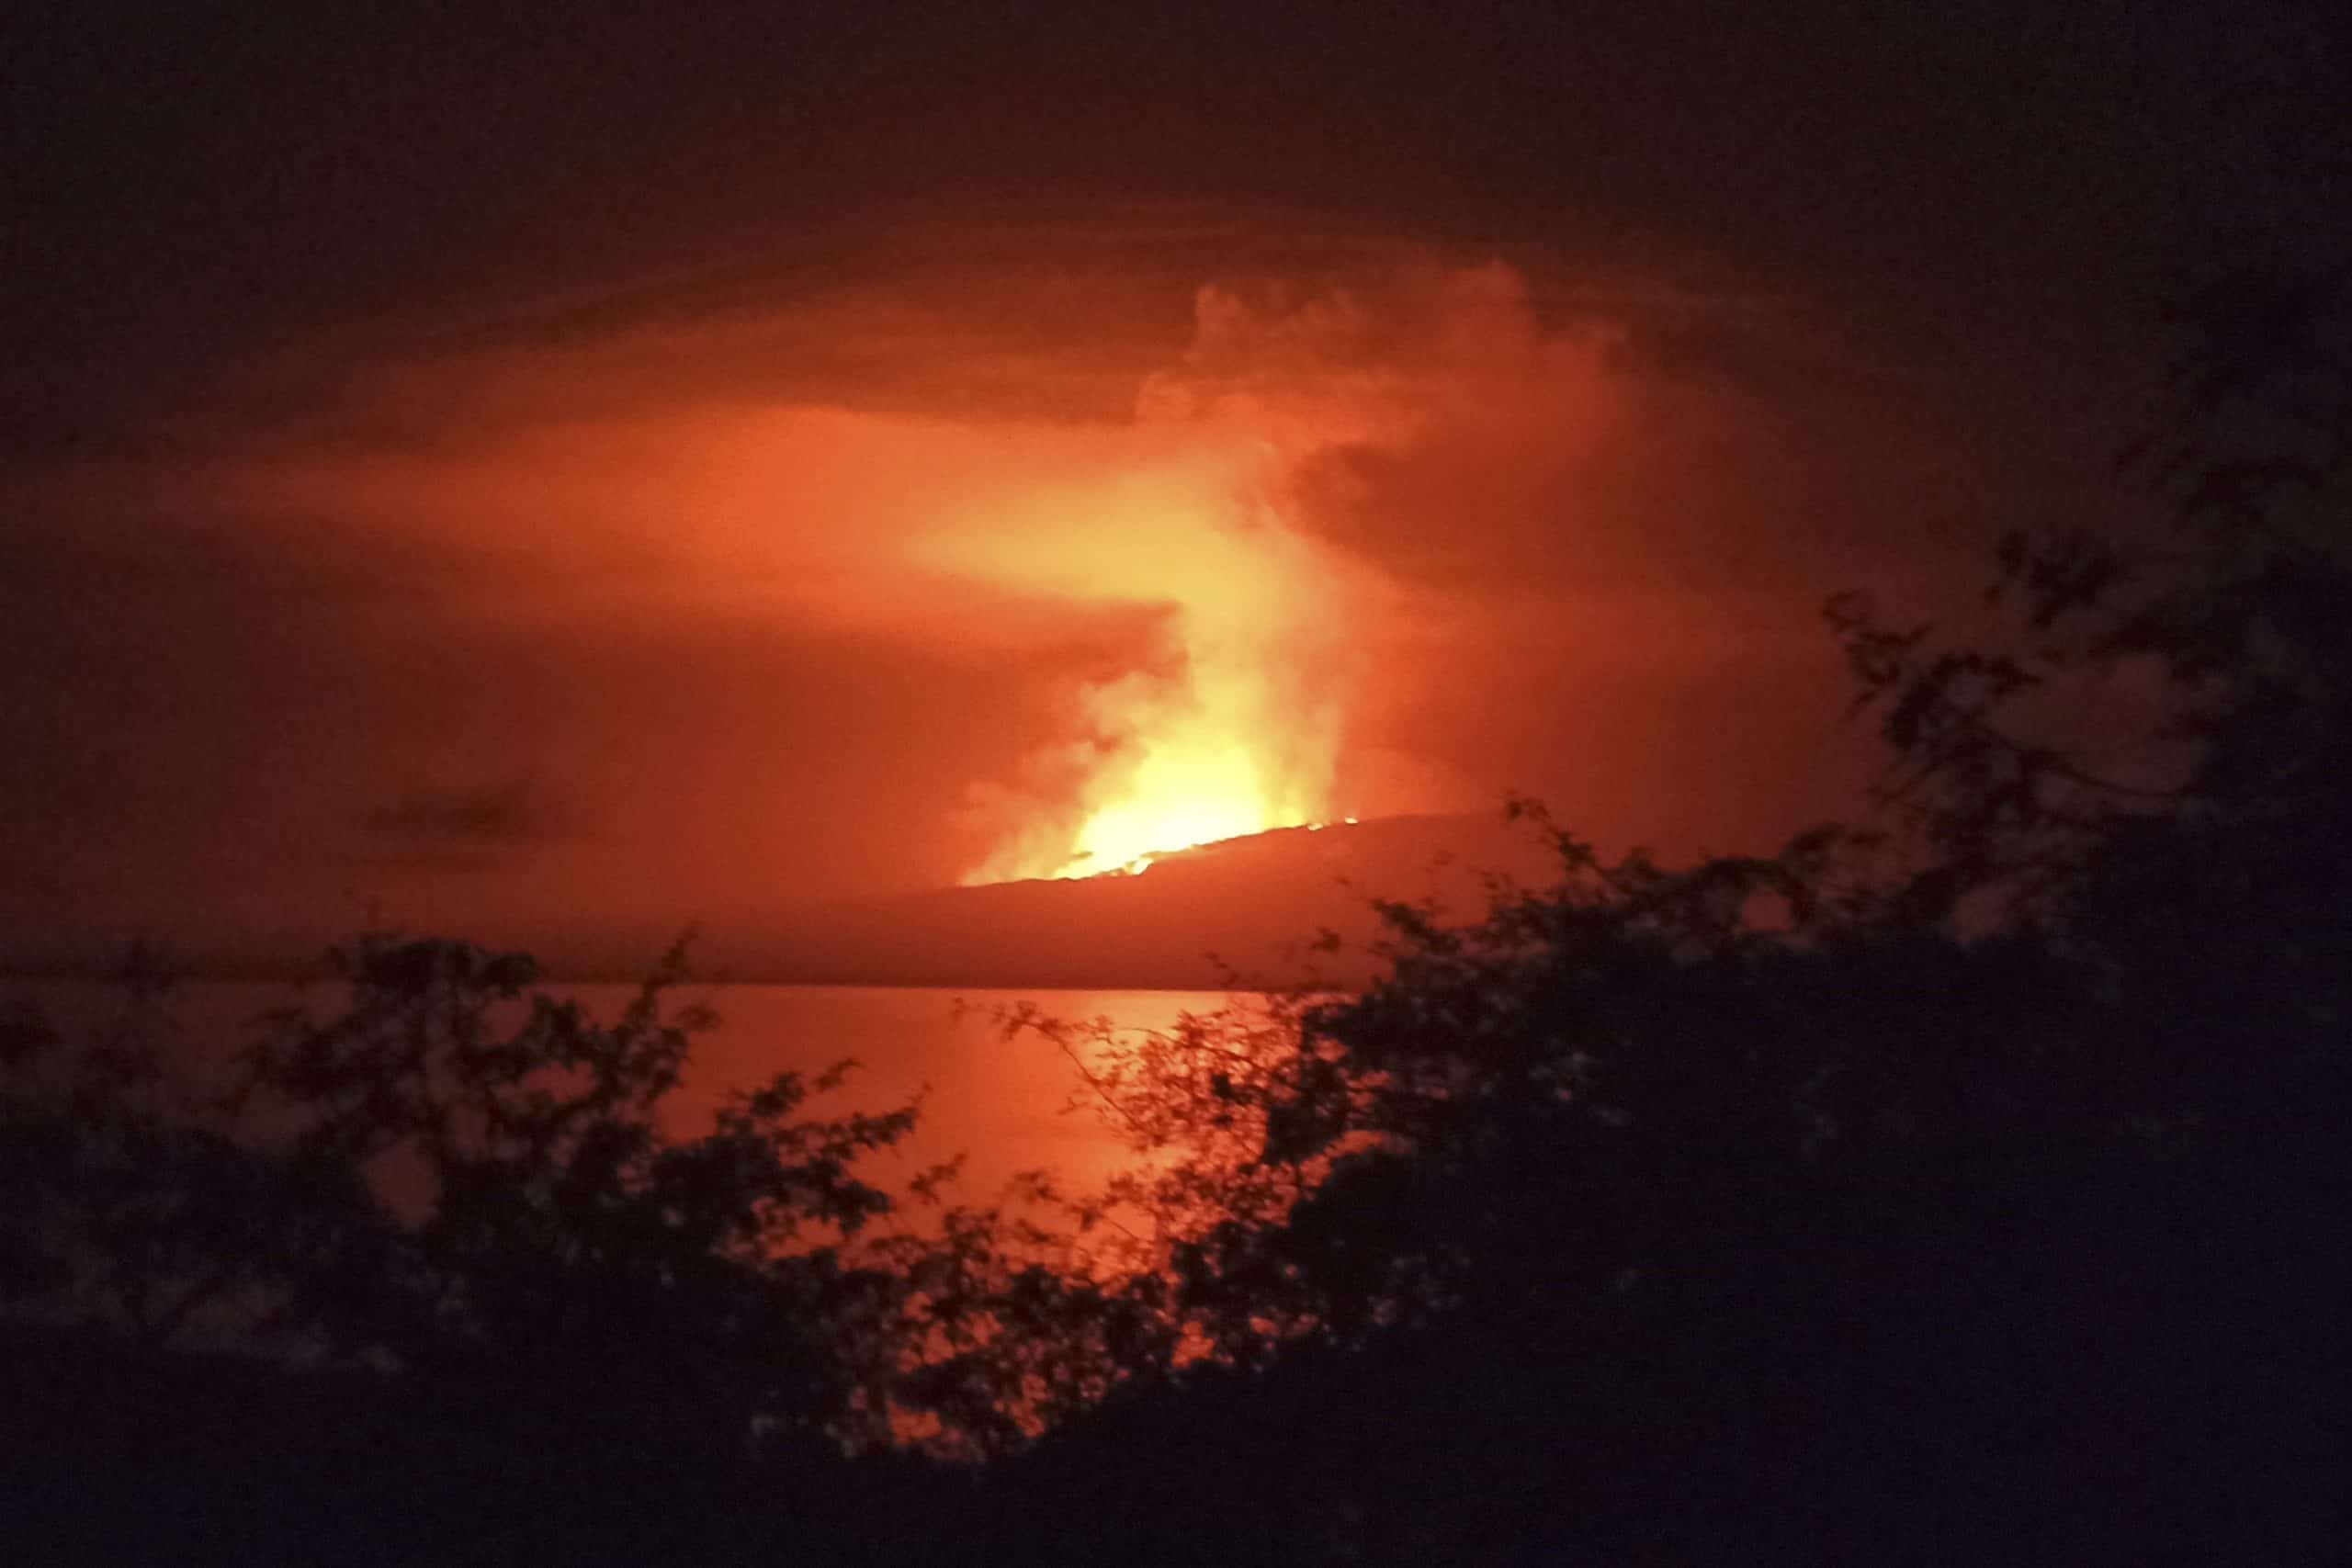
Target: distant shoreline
pixel 85 974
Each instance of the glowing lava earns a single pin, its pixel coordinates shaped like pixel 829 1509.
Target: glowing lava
pixel 1242 624
pixel 1180 797
pixel 1229 723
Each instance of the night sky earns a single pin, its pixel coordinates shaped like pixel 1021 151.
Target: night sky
pixel 540 468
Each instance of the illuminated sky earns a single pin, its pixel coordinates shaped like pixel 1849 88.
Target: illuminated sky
pixel 600 466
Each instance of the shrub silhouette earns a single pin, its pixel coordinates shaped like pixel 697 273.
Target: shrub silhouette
pixel 465 1181
pixel 1972 1185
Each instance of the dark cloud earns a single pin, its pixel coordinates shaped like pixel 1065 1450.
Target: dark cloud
pixel 195 184
pixel 427 819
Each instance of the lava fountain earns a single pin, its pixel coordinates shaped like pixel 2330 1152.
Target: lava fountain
pixel 1233 727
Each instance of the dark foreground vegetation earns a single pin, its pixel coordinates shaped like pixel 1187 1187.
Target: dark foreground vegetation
pixel 1970 1189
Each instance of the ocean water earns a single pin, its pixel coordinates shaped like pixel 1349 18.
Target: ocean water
pixel 1005 1103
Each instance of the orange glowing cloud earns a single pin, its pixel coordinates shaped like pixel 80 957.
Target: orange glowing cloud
pixel 1234 725
pixel 1223 603
pixel 1242 728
